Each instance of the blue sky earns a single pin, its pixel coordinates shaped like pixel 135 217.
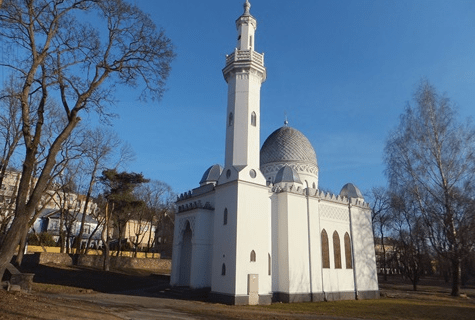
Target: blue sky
pixel 342 71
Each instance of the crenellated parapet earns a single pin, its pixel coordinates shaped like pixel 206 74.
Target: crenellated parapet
pixel 359 203
pixel 192 205
pixel 318 194
pixel 328 196
pixel 292 188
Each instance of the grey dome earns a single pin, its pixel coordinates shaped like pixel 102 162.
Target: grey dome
pixel 287 174
pixel 287 144
pixel 349 190
pixel 212 174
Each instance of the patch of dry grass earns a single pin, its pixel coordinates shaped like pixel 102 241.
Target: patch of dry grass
pixel 386 308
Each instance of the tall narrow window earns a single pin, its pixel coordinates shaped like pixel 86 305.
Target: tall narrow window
pixel 269 264
pixel 325 250
pixel 225 216
pixel 253 119
pixel 253 256
pixel 349 263
pixel 337 250
pixel 230 119
pixel 223 270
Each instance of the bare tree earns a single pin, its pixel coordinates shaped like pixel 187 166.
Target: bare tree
pixel 58 54
pixel 159 200
pixel 99 147
pixel 410 239
pixel 381 217
pixel 430 157
pixel 10 125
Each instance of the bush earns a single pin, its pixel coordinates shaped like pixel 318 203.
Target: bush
pixel 45 239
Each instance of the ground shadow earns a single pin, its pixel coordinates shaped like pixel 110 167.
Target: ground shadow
pixel 129 282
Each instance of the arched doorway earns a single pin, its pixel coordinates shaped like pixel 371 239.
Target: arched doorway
pixel 185 257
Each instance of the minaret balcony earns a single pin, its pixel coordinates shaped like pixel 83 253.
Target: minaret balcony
pixel 245 55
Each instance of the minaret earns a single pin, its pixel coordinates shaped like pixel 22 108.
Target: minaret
pixel 244 73
pixel 241 260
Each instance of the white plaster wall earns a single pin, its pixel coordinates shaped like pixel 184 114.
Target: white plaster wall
pixel 315 246
pixel 253 233
pixel 178 240
pixel 202 250
pixel 299 264
pixel 243 139
pixel 280 243
pixel 246 33
pixel 224 239
pixel 202 235
pixel 335 217
pixel 365 261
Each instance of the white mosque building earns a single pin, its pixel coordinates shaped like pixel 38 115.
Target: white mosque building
pixel 259 229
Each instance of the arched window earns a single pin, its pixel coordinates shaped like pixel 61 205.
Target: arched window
pixel 337 250
pixel 269 263
pixel 225 216
pixel 349 263
pixel 223 270
pixel 231 119
pixel 253 256
pixel 325 250
pixel 253 119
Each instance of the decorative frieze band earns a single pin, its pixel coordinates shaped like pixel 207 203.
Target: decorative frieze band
pixel 333 212
pixel 299 167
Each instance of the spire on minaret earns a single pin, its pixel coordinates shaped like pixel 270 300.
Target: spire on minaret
pixel 247 7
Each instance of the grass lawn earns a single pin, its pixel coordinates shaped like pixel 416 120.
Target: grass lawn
pixel 386 308
pixel 431 301
pixel 398 300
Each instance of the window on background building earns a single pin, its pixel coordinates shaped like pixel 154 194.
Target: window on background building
pixel 253 256
pixel 337 250
pixel 325 250
pixel 225 216
pixel 223 270
pixel 349 263
pixel 231 119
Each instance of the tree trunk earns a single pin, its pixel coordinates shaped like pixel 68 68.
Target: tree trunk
pixel 84 212
pixel 21 249
pixel 61 232
pixel 456 277
pixel 107 257
pixel 11 240
pixel 384 257
pixel 105 239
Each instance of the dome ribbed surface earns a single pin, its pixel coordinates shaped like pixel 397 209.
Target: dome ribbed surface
pixel 287 144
